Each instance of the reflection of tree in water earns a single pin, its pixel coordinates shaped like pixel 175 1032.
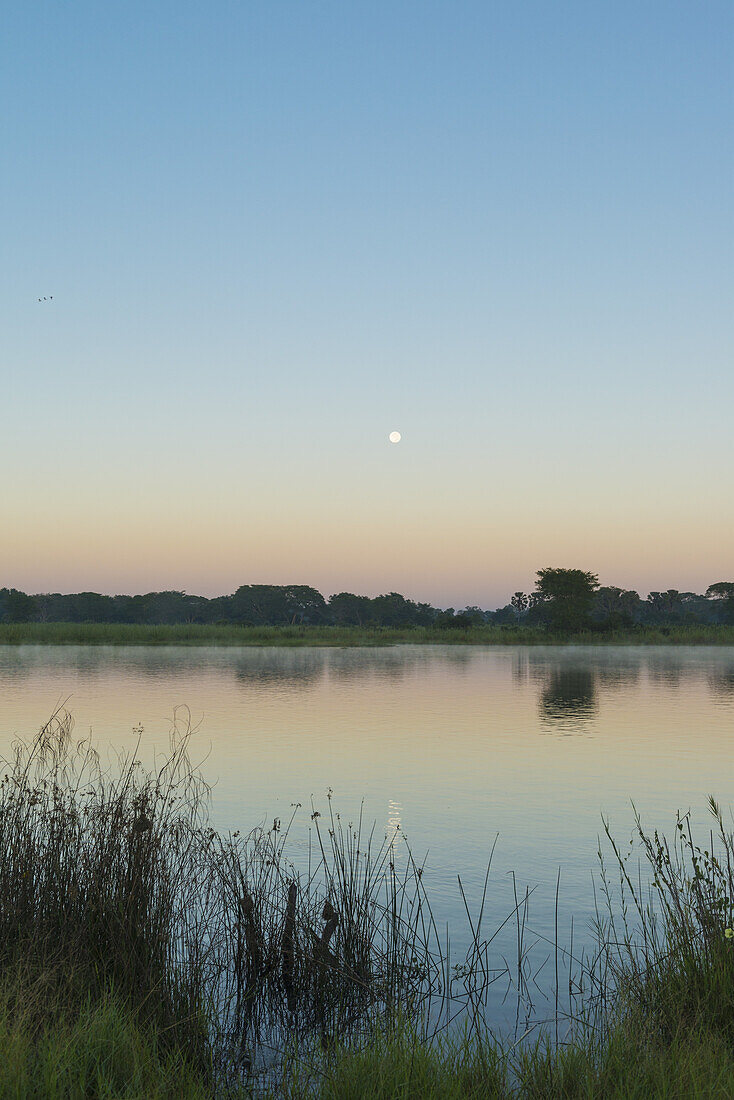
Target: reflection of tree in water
pixel 295 669
pixel 520 667
pixel 721 680
pixel 609 676
pixel 569 694
pixel 359 665
pixel 668 671
pixel 610 669
pixel 392 663
pixel 300 668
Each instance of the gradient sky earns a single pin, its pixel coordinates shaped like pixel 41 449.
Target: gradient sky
pixel 274 232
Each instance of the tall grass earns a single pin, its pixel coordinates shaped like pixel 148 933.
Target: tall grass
pixel 136 942
pixel 670 948
pixel 55 1050
pixel 112 883
pixel 653 1014
pixel 192 634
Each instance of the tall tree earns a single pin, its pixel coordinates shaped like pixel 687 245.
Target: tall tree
pixel 19 608
pixel 347 609
pixel 277 604
pixel 616 606
pixel 392 609
pixel 664 606
pixel 566 597
pixel 305 604
pixel 520 602
pixel 723 592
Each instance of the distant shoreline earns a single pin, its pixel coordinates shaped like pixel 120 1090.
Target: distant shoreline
pixel 193 634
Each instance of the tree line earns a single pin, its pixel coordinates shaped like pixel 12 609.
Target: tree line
pixel 562 600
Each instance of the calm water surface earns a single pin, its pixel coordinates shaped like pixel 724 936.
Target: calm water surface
pixel 452 744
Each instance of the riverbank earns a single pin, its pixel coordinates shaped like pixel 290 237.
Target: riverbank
pixel 104 1052
pixel 194 634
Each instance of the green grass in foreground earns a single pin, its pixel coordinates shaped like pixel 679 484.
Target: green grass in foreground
pixel 97 1051
pixel 667 1031
pixel 200 635
pixel 104 1053
pixel 695 1064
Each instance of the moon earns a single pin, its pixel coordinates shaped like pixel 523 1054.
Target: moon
pixel 394 437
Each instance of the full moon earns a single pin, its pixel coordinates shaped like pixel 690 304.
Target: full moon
pixel 395 437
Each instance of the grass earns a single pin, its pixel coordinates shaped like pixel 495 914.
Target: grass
pixel 99 1049
pixel 142 954
pixel 193 634
pixel 112 883
pixel 398 1066
pixel 656 1020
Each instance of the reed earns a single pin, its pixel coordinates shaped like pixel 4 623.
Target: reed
pixel 197 634
pixel 112 883
pixel 650 1013
pixel 132 934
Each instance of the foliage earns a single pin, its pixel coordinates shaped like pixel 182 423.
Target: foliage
pixel 566 597
pixel 395 610
pixel 271 604
pixel 17 607
pixel 616 607
pixel 520 602
pixel 346 609
pixel 723 592
pixel 565 600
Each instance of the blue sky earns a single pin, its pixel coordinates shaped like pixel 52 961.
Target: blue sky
pixel 275 232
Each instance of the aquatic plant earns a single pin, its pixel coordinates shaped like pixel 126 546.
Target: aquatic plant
pixel 218 961
pixel 197 634
pixel 113 881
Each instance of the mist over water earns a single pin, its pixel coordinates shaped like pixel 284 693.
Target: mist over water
pixel 446 746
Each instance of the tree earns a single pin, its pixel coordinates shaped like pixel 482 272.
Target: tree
pixel 166 607
pixel 349 610
pixel 468 618
pixel 392 609
pixel 259 605
pixel 723 591
pixel 277 604
pixel 304 604
pixel 504 616
pixel 520 602
pixel 616 606
pixel 566 597
pixel 90 607
pixel 19 608
pixel 664 606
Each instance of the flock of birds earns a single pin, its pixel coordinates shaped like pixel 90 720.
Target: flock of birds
pixel 49 299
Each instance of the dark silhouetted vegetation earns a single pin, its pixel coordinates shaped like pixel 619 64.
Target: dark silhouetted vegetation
pixel 563 598
pixel 121 634
pixel 564 602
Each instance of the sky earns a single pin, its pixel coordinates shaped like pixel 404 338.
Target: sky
pixel 276 232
